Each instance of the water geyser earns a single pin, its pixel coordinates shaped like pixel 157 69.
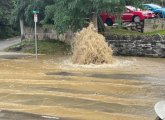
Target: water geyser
pixel 90 47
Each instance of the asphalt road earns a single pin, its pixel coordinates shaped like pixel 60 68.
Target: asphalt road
pixel 8 42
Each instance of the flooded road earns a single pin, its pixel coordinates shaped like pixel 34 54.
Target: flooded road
pixel 52 86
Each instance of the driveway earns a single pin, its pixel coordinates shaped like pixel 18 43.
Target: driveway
pixel 9 42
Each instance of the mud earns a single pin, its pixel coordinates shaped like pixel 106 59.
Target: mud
pixel 51 87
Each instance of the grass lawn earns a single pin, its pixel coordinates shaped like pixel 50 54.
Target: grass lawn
pixel 44 47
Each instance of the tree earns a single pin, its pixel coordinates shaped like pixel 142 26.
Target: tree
pixel 23 12
pixel 160 2
pixel 67 14
pixel 73 14
pixel 5 10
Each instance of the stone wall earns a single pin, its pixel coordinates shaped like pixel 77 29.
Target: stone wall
pixel 151 46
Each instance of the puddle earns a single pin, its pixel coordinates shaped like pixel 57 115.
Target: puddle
pixel 5 55
pixel 106 76
pixel 10 115
pixel 62 73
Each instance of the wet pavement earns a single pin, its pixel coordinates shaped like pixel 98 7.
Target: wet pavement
pixel 6 43
pixel 53 88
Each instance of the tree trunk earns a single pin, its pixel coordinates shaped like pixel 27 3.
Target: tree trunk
pixel 101 26
pixel 94 20
pixel 22 29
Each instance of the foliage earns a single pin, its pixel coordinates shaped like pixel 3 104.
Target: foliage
pixel 24 10
pixel 160 2
pixel 6 29
pixel 73 14
pixel 5 9
pixel 62 14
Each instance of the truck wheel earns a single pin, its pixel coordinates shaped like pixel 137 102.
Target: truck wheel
pixel 136 19
pixel 109 22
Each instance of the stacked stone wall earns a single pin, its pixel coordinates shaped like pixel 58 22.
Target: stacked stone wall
pixel 152 46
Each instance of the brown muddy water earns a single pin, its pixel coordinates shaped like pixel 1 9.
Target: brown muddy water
pixel 52 86
pixel 88 46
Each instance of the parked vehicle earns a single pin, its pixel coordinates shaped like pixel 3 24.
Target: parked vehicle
pixel 107 18
pixel 158 10
pixel 132 14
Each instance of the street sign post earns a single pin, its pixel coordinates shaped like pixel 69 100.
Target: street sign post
pixel 35 12
pixel 35 18
pixel 35 32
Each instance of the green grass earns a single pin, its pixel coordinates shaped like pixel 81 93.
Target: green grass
pixel 161 32
pixel 44 47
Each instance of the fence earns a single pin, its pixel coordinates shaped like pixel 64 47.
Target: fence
pixel 154 24
pixel 43 34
